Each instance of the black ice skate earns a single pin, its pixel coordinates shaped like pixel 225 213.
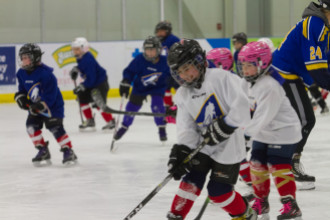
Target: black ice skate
pixel 325 110
pixel 120 133
pixel 171 216
pixel 88 125
pixel 308 182
pixel 69 157
pixel 261 207
pixel 162 133
pixel 42 155
pixel 290 209
pixel 110 125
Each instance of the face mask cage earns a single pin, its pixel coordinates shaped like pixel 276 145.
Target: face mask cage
pixel 28 67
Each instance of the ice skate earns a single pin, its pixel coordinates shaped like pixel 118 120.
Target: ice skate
pixel 110 125
pixel 42 155
pixel 249 214
pixel 69 157
pixel 261 207
pixel 325 111
pixel 162 133
pixel 171 216
pixel 88 125
pixel 307 181
pixel 290 209
pixel 120 133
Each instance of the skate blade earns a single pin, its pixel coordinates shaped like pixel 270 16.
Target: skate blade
pixel 87 129
pixel 264 217
pixel 70 163
pixel 305 186
pixel 43 163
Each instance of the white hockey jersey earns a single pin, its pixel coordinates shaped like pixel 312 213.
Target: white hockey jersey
pixel 221 94
pixel 274 120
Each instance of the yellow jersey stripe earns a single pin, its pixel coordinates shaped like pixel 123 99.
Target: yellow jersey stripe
pixel 305 27
pixel 289 76
pixel 316 66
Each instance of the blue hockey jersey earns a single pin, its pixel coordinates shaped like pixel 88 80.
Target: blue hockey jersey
pixel 91 71
pixel 41 85
pixel 148 78
pixel 168 42
pixel 303 52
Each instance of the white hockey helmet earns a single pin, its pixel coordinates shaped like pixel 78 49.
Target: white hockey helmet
pixel 82 43
pixel 269 42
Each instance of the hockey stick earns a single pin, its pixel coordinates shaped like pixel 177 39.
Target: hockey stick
pixel 100 103
pixel 201 212
pixel 47 115
pixel 164 182
pixel 81 117
pixel 117 123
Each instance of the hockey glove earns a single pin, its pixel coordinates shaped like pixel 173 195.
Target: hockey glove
pixel 175 163
pixel 124 88
pixel 171 111
pixel 74 73
pixel 218 131
pixel 37 107
pixel 79 89
pixel 22 101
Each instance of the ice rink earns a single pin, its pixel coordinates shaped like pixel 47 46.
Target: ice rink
pixel 107 186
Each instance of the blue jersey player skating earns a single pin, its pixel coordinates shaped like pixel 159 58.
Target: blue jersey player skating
pixel 148 73
pixel 301 59
pixel 39 94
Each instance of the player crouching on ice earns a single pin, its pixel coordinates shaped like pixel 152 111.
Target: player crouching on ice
pixel 95 77
pixel 149 74
pixel 274 128
pixel 211 105
pixel 39 94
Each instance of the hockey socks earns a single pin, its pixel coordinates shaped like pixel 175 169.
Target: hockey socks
pixel 86 109
pixel 283 179
pixel 231 202
pixel 37 139
pixel 184 199
pixel 244 172
pixel 260 179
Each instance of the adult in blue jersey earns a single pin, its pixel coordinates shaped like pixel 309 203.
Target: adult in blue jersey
pixel 239 40
pixel 39 94
pixel 301 59
pixel 163 31
pixel 148 73
pixel 95 77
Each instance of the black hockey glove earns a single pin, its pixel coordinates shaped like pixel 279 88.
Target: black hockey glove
pixel 79 89
pixel 124 88
pixel 171 110
pixel 175 165
pixel 74 73
pixel 22 100
pixel 218 131
pixel 37 107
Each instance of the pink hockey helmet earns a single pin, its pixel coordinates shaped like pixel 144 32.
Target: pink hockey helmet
pixel 221 57
pixel 257 53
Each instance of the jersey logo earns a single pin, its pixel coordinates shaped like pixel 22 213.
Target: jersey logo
pixel 210 110
pixel 34 93
pixel 150 79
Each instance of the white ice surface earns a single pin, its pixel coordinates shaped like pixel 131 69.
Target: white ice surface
pixel 106 186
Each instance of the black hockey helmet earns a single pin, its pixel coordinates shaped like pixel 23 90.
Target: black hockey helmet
pixel 240 37
pixel 152 42
pixel 325 4
pixel 34 52
pixel 187 51
pixel 164 25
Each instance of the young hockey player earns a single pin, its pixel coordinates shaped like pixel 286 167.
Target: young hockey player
pixel 163 31
pixel 94 77
pixel 149 73
pixel 275 130
pixel 301 59
pixel 38 93
pixel 209 108
pixel 239 40
pixel 223 59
